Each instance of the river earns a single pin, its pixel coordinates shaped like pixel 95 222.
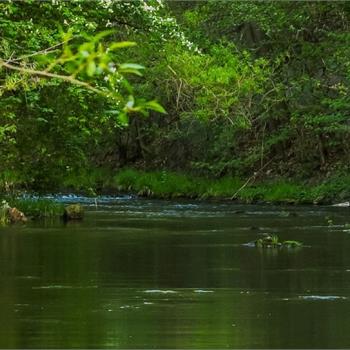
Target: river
pixel 139 273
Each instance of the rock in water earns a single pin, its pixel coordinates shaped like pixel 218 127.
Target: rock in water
pixel 16 215
pixel 73 212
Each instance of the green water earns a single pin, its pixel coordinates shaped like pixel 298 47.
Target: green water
pixel 158 274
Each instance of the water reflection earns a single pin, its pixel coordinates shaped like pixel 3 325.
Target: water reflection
pixel 141 274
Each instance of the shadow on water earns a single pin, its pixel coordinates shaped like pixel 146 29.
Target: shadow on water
pixel 169 274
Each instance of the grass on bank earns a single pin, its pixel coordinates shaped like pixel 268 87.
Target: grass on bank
pixel 164 184
pixel 171 185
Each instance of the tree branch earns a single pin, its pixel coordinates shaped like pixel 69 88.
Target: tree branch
pixel 44 51
pixel 69 79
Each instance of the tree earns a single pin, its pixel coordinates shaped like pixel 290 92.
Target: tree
pixel 38 62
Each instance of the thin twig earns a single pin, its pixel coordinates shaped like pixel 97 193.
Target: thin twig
pixel 262 146
pixel 178 95
pixel 172 70
pixel 251 178
pixel 44 51
pixel 52 75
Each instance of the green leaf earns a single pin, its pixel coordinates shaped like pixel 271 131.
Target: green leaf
pixel 127 86
pixel 155 106
pixel 123 119
pixel 91 68
pixel 121 45
pixel 131 68
pixel 131 102
pixel 103 34
pixel 112 111
pixel 43 120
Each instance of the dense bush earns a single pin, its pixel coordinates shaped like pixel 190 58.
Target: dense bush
pixel 246 86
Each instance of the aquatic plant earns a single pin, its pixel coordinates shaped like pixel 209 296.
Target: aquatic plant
pixel 272 241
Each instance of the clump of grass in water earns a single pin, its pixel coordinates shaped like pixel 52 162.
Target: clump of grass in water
pixel 272 241
pixel 3 213
pixel 37 208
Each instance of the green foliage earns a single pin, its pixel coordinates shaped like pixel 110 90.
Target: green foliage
pixel 4 219
pixel 63 88
pixel 37 208
pixel 217 84
pixel 296 113
pixel 88 180
pixel 244 84
pixel 334 188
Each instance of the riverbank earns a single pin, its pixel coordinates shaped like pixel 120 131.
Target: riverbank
pixel 168 185
pixel 162 184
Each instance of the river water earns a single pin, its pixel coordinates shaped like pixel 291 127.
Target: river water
pixel 139 273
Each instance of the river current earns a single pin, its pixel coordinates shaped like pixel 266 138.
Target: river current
pixel 139 273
